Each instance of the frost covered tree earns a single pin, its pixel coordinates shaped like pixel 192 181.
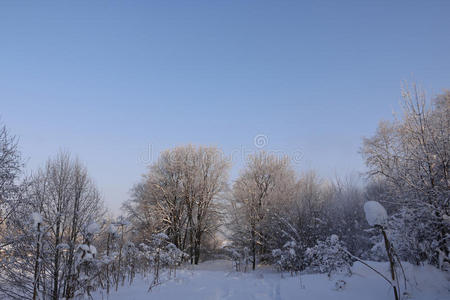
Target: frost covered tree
pixel 325 207
pixel 411 156
pixel 85 207
pixel 65 199
pixel 179 197
pixel 294 210
pixel 266 182
pixel 10 170
pixel 140 210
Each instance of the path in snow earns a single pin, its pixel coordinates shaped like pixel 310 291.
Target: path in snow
pixel 216 280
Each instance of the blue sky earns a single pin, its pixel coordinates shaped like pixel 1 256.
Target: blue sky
pixel 112 80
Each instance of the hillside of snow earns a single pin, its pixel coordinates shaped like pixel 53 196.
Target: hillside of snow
pixel 217 280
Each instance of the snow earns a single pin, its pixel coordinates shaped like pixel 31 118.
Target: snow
pixel 86 252
pixel 216 280
pixel 112 229
pixel 37 219
pixel 93 228
pixel 334 239
pixel 161 236
pixel 446 219
pixel 375 213
pixel 63 246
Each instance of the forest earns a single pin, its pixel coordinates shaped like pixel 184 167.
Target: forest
pixel 58 240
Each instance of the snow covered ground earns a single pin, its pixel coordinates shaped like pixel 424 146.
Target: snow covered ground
pixel 216 280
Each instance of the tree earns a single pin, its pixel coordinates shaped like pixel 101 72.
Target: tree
pixel 411 155
pixel 10 170
pixel 266 181
pixel 179 195
pixel 65 199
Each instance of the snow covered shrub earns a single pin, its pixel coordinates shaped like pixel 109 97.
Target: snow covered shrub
pixel 144 257
pixel 414 241
pixel 419 241
pixel 174 256
pixel 130 259
pixel 329 256
pixel 240 257
pixel 290 257
pixel 377 217
pixel 87 266
pixel 165 255
pixel 109 256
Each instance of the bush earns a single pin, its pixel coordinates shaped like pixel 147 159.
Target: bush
pixel 329 256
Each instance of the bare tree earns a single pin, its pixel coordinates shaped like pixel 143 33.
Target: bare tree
pixel 10 169
pixel 266 181
pixel 61 201
pixel 411 155
pixel 212 177
pixel 178 196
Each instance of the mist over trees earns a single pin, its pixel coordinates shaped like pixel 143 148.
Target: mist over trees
pixel 58 241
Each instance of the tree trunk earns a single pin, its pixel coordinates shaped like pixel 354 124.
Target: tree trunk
pixel 391 262
pixel 253 248
pixel 56 266
pixel 107 266
pixel 36 265
pixel 119 272
pixel 197 248
pixel 70 281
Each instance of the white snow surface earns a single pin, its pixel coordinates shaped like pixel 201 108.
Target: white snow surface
pixel 217 280
pixel 375 213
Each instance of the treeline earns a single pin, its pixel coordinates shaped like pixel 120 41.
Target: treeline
pixel 269 209
pixel 58 241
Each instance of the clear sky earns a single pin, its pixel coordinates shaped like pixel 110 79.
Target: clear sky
pixel 112 81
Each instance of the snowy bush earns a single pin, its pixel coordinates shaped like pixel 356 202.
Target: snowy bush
pixel 166 253
pixel 329 256
pixel 174 256
pixel 290 257
pixel 87 268
pixel 417 242
pixel 240 257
